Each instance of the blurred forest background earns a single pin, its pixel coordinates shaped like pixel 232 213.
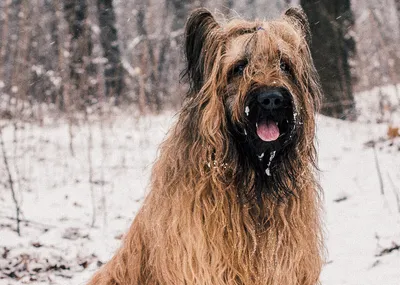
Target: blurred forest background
pixel 78 54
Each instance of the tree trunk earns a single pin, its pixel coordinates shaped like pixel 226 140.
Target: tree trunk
pixel 4 39
pixel 397 58
pixel 332 47
pixel 180 12
pixel 113 71
pixel 397 4
pixel 81 68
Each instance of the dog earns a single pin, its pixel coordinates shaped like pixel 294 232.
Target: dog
pixel 234 195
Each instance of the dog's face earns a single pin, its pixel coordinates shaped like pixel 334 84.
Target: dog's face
pixel 263 74
pixel 261 92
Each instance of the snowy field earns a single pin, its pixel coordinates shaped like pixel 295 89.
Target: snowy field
pixel 76 203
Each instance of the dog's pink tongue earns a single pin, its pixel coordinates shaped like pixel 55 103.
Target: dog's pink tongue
pixel 268 131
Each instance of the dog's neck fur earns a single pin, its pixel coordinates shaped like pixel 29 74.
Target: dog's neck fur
pixel 260 242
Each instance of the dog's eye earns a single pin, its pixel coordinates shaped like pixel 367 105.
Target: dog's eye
pixel 239 67
pixel 284 66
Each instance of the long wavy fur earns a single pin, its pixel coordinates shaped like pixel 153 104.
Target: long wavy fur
pixel 210 217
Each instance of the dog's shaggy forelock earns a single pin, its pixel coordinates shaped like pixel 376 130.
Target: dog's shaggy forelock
pixel 212 216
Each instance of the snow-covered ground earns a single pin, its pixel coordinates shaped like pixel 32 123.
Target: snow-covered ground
pixel 361 222
pixel 59 245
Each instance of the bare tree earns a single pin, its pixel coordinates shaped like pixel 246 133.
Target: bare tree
pixel 113 71
pixel 397 56
pixel 10 181
pixel 397 4
pixel 82 70
pixel 147 94
pixel 332 47
pixel 4 35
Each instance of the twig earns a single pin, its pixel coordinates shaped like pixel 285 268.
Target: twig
pixel 29 222
pixel 396 191
pixel 10 182
pixel 71 137
pixel 386 251
pixel 378 170
pixel 89 153
pixel 104 156
pixel 15 145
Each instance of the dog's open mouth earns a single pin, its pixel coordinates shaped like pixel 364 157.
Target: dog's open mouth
pixel 271 114
pixel 271 128
pixel 268 130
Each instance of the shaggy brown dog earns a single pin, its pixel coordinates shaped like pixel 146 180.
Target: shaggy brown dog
pixel 234 197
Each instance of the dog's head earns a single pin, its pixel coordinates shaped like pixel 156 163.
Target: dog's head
pixel 260 76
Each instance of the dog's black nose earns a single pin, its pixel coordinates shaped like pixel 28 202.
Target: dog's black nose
pixel 271 99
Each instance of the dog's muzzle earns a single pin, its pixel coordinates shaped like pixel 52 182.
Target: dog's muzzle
pixel 271 112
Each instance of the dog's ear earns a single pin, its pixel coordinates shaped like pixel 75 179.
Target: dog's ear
pixel 197 32
pixel 297 16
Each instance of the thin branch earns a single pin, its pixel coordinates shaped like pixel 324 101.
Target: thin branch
pixel 386 251
pixel 71 135
pixel 15 145
pixel 396 191
pixel 378 170
pixel 10 182
pixel 37 224
pixel 102 176
pixel 89 153
pixel 155 36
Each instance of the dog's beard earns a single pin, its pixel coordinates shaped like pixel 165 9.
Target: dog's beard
pixel 265 140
